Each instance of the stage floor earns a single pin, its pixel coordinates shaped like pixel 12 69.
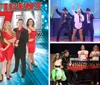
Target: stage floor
pixel 65 39
pixel 40 74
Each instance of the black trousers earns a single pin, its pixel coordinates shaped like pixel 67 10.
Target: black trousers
pixel 67 26
pixel 87 27
pixel 23 59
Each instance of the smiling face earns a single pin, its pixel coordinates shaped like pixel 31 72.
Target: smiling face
pixel 7 26
pixel 30 22
pixel 20 23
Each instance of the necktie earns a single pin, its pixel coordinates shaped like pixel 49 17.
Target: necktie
pixel 79 18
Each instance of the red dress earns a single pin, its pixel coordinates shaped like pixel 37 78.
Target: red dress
pixel 8 53
pixel 2 57
pixel 31 45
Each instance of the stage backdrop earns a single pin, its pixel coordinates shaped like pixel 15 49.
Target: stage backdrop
pixel 94 5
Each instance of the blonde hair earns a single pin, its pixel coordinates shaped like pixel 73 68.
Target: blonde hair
pixel 10 30
pixel 54 57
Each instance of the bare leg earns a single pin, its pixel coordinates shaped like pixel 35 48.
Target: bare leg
pixel 74 33
pixel 81 36
pixel 32 58
pixel 8 65
pixel 29 61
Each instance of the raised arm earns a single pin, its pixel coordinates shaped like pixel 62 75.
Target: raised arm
pixel 56 6
pixel 73 11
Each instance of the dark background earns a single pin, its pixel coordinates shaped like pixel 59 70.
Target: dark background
pixel 73 48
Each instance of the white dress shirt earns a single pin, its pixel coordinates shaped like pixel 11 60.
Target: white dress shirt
pixel 83 56
pixel 78 24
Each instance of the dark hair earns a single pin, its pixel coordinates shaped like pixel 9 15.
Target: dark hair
pixel 28 22
pixel 1 37
pixel 20 20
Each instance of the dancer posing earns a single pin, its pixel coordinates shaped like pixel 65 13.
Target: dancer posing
pixel 88 24
pixel 9 35
pixel 64 22
pixel 57 75
pixel 83 54
pixel 78 19
pixel 31 43
pixel 2 57
pixel 20 47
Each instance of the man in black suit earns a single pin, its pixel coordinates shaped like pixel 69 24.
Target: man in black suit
pixel 20 47
pixel 88 23
pixel 64 22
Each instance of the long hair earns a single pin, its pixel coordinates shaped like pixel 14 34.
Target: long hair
pixel 54 57
pixel 10 29
pixel 1 37
pixel 28 22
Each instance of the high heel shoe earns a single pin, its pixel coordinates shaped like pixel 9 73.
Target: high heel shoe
pixel 8 78
pixel 34 64
pixel 9 75
pixel 2 78
pixel 30 69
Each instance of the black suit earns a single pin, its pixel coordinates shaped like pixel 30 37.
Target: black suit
pixel 20 51
pixel 87 26
pixel 64 23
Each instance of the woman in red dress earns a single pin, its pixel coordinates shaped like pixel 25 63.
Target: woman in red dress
pixel 31 43
pixel 9 35
pixel 2 57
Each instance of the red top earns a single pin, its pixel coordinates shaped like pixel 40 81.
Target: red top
pixel 32 34
pixel 32 45
pixel 8 53
pixel 2 57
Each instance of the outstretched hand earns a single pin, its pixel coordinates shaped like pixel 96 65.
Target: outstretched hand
pixel 78 5
pixel 72 5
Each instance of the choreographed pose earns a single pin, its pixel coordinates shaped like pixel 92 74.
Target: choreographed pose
pixel 88 24
pixel 9 35
pixel 78 19
pixel 64 22
pixel 31 42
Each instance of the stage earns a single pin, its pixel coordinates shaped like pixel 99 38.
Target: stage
pixel 54 25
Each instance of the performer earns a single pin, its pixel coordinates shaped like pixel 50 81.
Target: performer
pixel 57 74
pixel 83 54
pixel 9 35
pixel 65 63
pixel 2 57
pixel 88 23
pixel 95 54
pixel 78 19
pixel 31 42
pixel 65 18
pixel 20 47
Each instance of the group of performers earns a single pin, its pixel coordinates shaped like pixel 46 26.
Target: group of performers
pixel 14 41
pixel 81 21
pixel 60 62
